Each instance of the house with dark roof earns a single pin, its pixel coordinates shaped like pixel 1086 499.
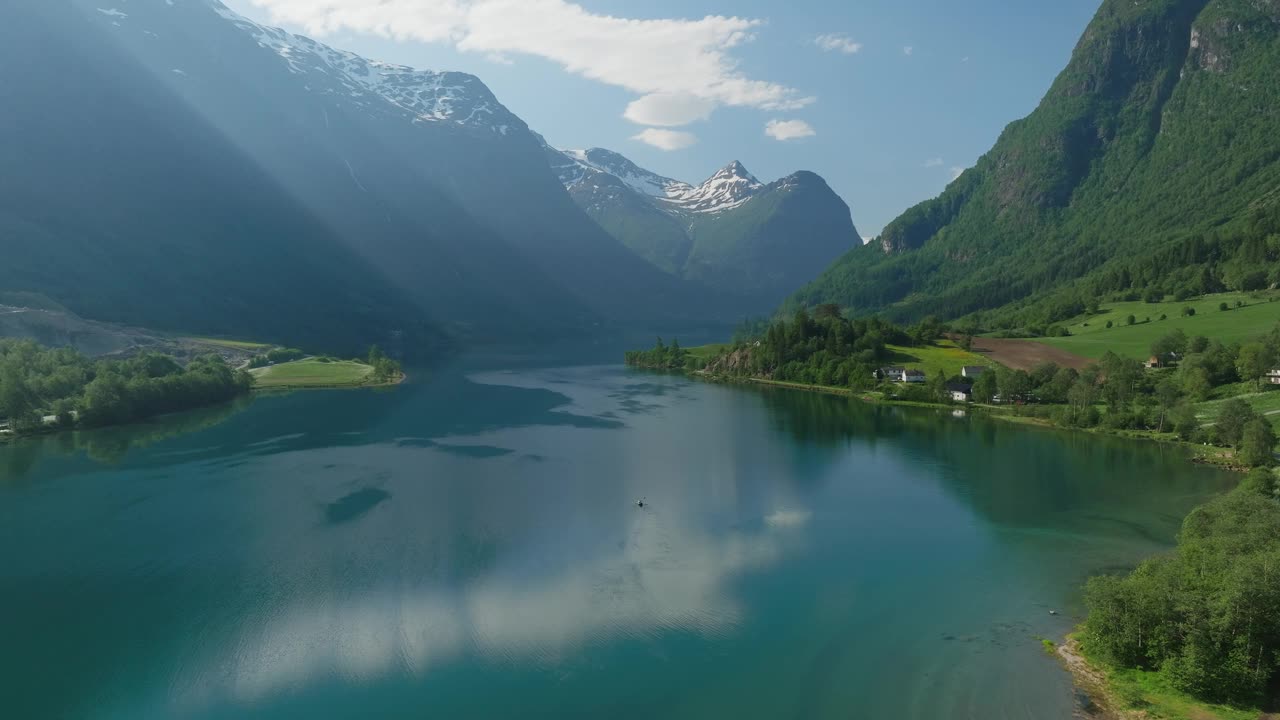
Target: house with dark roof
pixel 960 392
pixel 972 371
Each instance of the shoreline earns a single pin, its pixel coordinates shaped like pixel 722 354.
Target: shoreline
pixel 7 438
pixel 1197 454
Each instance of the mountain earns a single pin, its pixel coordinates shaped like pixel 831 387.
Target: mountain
pixel 1151 166
pixel 731 233
pixel 172 164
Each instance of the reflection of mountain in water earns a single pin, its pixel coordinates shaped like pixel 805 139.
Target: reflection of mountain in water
pixel 1011 474
pixel 110 445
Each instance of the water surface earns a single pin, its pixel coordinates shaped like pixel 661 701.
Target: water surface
pixel 468 546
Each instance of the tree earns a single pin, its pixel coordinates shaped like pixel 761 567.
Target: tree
pixel 1195 382
pixel 1198 344
pixel 1188 311
pixel 1223 307
pixel 938 387
pixel 1257 443
pixel 1254 361
pixel 375 354
pixel 985 387
pixel 1014 385
pixel 1168 396
pixel 1173 342
pixel 1130 320
pixel 1232 417
pixel 1110 324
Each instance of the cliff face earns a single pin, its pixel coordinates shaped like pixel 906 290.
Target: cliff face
pixel 1164 123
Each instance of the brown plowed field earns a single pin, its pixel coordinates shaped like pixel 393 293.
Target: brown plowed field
pixel 1026 354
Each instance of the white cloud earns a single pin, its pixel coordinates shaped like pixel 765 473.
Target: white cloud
pixel 908 50
pixel 956 172
pixel 666 139
pixel 689 60
pixel 933 163
pixel 669 109
pixel 788 129
pixel 838 42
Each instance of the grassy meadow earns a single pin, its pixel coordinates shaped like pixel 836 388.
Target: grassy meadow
pixel 943 356
pixel 312 373
pixel 1090 336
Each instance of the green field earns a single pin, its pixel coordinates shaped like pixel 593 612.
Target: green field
pixel 1091 338
pixel 232 344
pixel 945 356
pixel 706 352
pixel 312 373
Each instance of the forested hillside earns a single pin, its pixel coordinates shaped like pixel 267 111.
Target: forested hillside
pixel 1152 165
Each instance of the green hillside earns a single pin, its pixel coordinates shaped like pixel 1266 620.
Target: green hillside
pixel 1091 337
pixel 1150 164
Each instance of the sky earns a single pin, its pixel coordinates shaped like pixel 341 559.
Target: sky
pixel 889 100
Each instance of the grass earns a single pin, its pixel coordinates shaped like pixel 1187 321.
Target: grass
pixel 1150 693
pixel 233 344
pixel 312 373
pixel 1091 338
pixel 1266 402
pixel 945 356
pixel 706 352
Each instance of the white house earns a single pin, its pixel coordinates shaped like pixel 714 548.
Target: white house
pixel 960 393
pixel 914 376
pixel 972 371
pixel 1273 377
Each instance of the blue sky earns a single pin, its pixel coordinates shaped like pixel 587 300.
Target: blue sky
pixel 898 95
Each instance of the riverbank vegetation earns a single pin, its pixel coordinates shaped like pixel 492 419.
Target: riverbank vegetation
pixel 43 389
pixel 1203 621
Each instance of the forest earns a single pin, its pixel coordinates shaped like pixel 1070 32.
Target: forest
pixel 43 388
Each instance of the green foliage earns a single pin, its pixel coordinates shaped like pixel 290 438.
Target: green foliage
pixel 821 349
pixel 1207 617
pixel 660 357
pixel 38 383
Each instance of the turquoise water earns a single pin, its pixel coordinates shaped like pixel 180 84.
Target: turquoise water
pixel 468 546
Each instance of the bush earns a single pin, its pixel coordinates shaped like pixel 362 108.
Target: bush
pixel 1223 306
pixel 1188 311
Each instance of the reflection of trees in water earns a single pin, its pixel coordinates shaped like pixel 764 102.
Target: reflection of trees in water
pixel 110 445
pixel 1011 474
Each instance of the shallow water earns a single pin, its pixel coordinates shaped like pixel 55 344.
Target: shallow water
pixel 468 546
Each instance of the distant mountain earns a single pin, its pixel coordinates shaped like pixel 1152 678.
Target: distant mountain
pixel 732 233
pixel 169 163
pixel 1152 166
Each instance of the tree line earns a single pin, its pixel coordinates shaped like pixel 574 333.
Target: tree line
pixel 42 387
pixel 1207 616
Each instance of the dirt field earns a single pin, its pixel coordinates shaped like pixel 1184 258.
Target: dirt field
pixel 1026 354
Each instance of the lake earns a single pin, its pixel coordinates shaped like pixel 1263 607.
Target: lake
pixel 469 546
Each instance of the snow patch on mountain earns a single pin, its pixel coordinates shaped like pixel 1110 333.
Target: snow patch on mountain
pixel 729 188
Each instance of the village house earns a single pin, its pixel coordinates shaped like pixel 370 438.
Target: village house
pixel 1273 377
pixel 972 371
pixel 900 374
pixel 960 392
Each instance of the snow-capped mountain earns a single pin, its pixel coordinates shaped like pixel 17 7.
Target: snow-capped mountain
pixel 420 95
pixel 731 232
pixel 729 188
pixel 403 196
